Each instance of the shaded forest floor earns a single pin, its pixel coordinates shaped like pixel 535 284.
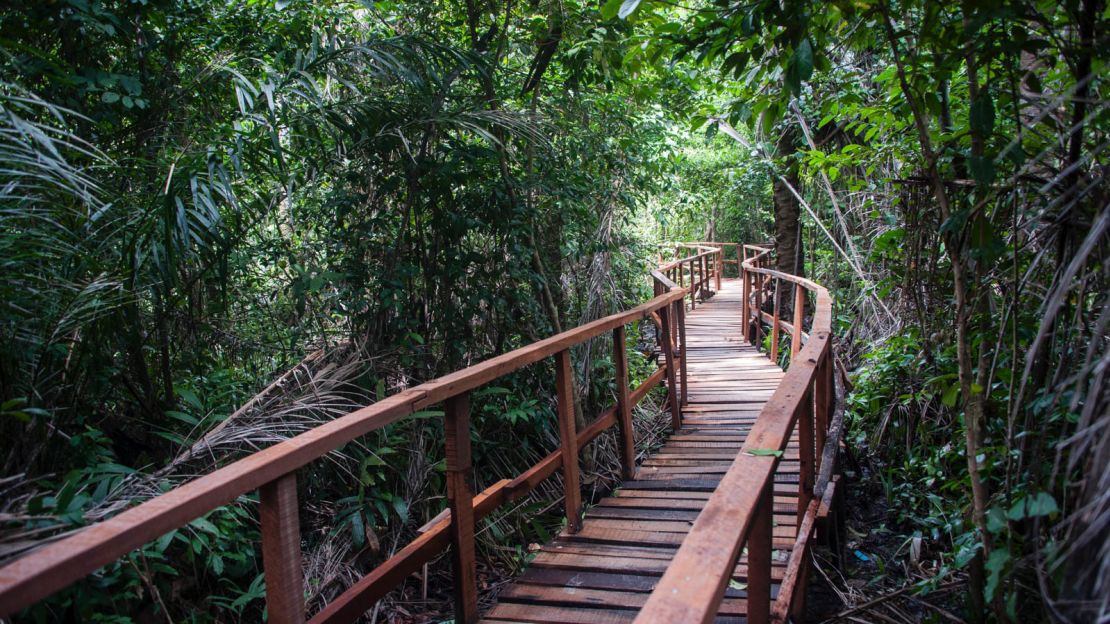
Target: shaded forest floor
pixel 880 566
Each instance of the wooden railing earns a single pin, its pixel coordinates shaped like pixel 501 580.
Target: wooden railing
pixel 739 512
pixel 700 269
pixel 272 472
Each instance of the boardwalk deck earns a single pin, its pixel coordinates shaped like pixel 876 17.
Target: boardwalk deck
pixel 604 573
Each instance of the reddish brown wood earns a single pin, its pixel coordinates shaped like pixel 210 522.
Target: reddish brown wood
pixel 745 305
pixel 822 404
pixel 281 550
pixel 758 310
pixel 673 397
pixel 568 440
pixel 759 561
pixel 683 373
pixel 775 323
pixel 719 265
pixel 805 452
pixel 624 405
pixel 693 286
pixel 790 599
pixel 55 566
pixel 460 499
pixel 796 330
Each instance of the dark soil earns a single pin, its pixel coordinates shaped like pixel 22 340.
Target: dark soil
pixel 873 579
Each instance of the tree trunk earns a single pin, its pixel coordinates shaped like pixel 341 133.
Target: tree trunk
pixel 788 231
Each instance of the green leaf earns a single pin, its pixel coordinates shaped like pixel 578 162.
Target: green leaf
pixel 982 169
pixel 610 8
pixel 951 393
pixel 803 59
pixel 1042 505
pixel 995 564
pixel 628 7
pixel 981 114
pixel 109 97
pixel 737 585
pixel 204 525
pixel 402 509
pixel 765 452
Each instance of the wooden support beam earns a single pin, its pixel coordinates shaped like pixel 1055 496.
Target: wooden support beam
pixel 673 396
pixel 758 309
pixel 460 499
pixel 624 405
pixel 568 439
pixel 805 425
pixel 281 550
pixel 775 315
pixel 759 560
pixel 682 352
pixel 693 286
pixel 822 391
pixel 745 303
pixel 799 314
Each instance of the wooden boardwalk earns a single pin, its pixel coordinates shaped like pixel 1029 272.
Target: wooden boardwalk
pixel 700 531
pixel 605 572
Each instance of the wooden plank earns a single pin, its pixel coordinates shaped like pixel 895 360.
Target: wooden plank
pixel 281 550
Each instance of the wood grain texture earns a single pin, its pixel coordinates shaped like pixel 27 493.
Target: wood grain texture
pixel 460 497
pixel 281 550
pixel 568 439
pixel 624 405
pixel 628 541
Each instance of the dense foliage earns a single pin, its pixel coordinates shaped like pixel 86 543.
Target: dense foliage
pixel 225 222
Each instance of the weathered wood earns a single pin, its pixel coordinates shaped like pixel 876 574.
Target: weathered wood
pixel 624 405
pixel 805 428
pixel 822 404
pixel 568 440
pixel 796 329
pixel 775 322
pixel 281 550
pixel 673 397
pixel 759 561
pixel 792 594
pixel 683 358
pixel 636 535
pixel 460 498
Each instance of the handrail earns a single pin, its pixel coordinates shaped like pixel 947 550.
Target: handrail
pixel 701 268
pixel 272 471
pixel 740 510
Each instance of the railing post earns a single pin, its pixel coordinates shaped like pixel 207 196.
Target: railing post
pixel 719 265
pixel 281 550
pixel 823 387
pixel 759 558
pixel 775 320
pixel 705 271
pixel 624 406
pixel 460 498
pixel 682 350
pixel 564 384
pixel 799 315
pixel 806 428
pixel 693 286
pixel 758 308
pixel 668 354
pixel 745 305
